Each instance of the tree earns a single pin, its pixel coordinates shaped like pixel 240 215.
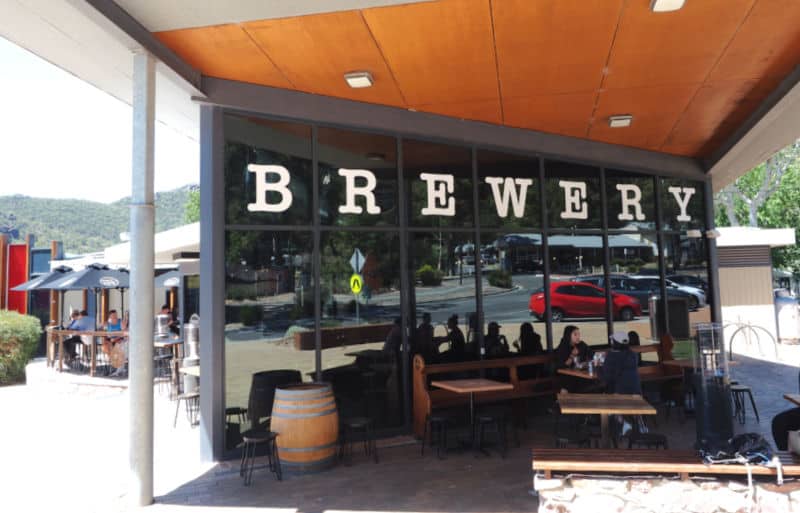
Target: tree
pixel 191 211
pixel 744 197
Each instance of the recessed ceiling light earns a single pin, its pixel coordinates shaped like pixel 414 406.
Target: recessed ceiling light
pixel 620 121
pixel 666 5
pixel 358 79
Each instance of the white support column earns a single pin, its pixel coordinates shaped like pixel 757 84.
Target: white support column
pixel 140 359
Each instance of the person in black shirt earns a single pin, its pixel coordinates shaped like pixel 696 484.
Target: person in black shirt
pixel 620 371
pixel 529 342
pixel 570 352
pixel 455 337
pixel 496 344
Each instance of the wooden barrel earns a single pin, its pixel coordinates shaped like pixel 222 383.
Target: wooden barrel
pixel 307 423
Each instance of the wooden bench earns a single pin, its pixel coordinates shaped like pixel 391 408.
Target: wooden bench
pixel 342 336
pixel 426 398
pixel 650 461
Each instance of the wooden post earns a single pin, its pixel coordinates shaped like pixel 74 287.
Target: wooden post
pixel 3 270
pixel 85 300
pixel 103 307
pixel 55 299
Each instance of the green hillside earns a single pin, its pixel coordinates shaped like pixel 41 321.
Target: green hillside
pixel 85 226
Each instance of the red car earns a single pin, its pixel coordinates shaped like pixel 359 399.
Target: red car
pixel 576 299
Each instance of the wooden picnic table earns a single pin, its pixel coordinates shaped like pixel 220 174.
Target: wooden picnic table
pixel 471 387
pixel 687 363
pixel 579 373
pixel 604 405
pixel 56 340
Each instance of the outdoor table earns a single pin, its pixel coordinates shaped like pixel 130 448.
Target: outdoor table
pixel 792 398
pixel 604 405
pixel 579 373
pixel 687 363
pixel 471 386
pixel 174 344
pixel 62 334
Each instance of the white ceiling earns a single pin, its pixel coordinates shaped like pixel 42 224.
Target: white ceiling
pixel 158 15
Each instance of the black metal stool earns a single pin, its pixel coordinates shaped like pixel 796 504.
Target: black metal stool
pixel 644 439
pixel 739 410
pixel 349 428
pixel 251 439
pixel 497 416
pixel 192 403
pixel 436 424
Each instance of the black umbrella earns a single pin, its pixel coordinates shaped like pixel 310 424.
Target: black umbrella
pixel 43 281
pixel 95 277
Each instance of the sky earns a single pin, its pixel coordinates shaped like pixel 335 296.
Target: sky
pixel 63 138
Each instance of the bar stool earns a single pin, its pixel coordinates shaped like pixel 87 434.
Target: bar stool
pixel 436 424
pixel 739 410
pixel 349 428
pixel 645 439
pixel 191 401
pixel 251 439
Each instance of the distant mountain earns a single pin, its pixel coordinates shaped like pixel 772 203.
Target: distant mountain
pixel 84 226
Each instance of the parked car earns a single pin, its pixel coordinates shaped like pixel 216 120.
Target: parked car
pixel 643 288
pixel 690 280
pixel 696 292
pixel 576 299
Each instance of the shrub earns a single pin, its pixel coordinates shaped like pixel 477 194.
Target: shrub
pixel 500 279
pixel 19 337
pixel 249 315
pixel 429 276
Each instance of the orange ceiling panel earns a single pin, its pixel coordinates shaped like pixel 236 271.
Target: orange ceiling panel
pixel 224 51
pixel 679 47
pixel 655 111
pixel 488 110
pixel 314 52
pixel 713 106
pixel 439 52
pixel 553 46
pixel 767 44
pixel 565 114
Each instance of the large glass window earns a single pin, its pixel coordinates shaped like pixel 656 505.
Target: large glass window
pixel 362 341
pixel 269 307
pixel 439 182
pixel 358 178
pixel 572 193
pixel 443 273
pixel 682 205
pixel 687 274
pixel 268 172
pixel 631 201
pixel 508 192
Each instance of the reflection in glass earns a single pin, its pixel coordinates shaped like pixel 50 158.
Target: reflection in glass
pixel 631 201
pixel 362 343
pixel 439 180
pixel 513 190
pixel 443 273
pixel 576 294
pixel 572 193
pixel 367 163
pixel 286 147
pixel 687 273
pixel 269 307
pixel 674 194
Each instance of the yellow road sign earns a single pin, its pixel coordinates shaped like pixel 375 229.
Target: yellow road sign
pixel 356 283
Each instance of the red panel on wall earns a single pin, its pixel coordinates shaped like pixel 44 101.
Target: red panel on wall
pixel 17 273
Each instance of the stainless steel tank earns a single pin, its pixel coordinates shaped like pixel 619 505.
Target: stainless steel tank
pixel 191 342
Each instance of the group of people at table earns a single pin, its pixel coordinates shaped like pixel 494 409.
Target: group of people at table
pixel 80 320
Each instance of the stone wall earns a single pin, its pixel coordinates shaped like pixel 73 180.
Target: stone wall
pixel 595 494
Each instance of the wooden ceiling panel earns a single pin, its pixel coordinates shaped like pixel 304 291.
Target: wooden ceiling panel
pixel 488 110
pixel 566 114
pixel 224 51
pixel 714 105
pixel 681 47
pixel 767 44
pixel 553 46
pixel 439 52
pixel 655 111
pixel 314 52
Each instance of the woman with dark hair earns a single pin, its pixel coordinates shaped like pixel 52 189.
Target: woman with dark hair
pixel 633 340
pixel 529 342
pixel 572 351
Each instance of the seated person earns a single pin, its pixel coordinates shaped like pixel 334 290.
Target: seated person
pixel 620 370
pixel 633 340
pixel 391 347
pixel 173 320
pixel 570 353
pixel 423 340
pixel 782 423
pixel 496 344
pixel 82 323
pixel 113 324
pixel 455 337
pixel 529 342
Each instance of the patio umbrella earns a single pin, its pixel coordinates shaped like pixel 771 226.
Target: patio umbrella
pixel 169 279
pixel 95 277
pixel 44 281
